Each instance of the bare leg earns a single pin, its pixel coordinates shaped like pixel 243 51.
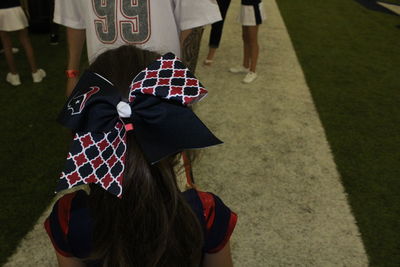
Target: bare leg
pixel 7 45
pixel 211 53
pixel 246 47
pixel 26 43
pixel 254 48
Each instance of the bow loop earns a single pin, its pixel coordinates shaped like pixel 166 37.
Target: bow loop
pixel 92 105
pixel 96 158
pixel 168 78
pixel 147 109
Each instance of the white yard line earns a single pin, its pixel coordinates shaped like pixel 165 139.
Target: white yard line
pixel 275 169
pixel 35 249
pixel 394 8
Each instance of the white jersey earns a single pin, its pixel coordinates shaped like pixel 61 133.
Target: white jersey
pixel 150 24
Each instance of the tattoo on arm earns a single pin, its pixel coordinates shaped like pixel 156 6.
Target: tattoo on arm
pixel 190 48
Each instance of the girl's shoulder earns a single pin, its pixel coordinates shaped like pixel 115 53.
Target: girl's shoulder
pixel 70 221
pixel 216 218
pixel 69 225
pixel 70 203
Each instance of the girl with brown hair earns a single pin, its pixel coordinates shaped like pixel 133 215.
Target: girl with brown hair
pixel 128 134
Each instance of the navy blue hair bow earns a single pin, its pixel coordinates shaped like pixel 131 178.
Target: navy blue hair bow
pixel 156 113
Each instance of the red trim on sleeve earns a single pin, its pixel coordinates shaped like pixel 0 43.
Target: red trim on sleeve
pixel 229 231
pixel 64 211
pixel 48 230
pixel 208 202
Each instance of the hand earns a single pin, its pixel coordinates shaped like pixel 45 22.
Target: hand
pixel 71 83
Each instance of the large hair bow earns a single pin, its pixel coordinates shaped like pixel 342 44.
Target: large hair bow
pixel 156 113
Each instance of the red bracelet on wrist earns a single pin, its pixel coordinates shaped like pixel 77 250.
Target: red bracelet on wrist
pixel 72 73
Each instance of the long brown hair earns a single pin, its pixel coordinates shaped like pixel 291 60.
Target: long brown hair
pixel 152 224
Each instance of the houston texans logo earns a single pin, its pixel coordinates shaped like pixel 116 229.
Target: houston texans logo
pixel 77 103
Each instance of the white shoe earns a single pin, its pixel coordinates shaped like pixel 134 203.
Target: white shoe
pixel 38 76
pixel 13 79
pixel 14 50
pixel 207 62
pixel 250 77
pixel 240 69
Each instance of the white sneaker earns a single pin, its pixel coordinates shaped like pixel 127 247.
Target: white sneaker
pixel 13 79
pixel 38 76
pixel 14 50
pixel 240 69
pixel 250 77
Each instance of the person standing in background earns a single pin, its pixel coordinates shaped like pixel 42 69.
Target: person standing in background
pixel 251 16
pixel 12 18
pixel 162 26
pixel 216 32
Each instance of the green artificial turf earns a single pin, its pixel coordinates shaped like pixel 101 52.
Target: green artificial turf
pixel 351 59
pixel 33 145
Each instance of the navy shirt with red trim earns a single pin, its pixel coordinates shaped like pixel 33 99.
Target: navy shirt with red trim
pixel 69 225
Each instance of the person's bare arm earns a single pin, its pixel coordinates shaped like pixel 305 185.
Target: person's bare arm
pixel 76 40
pixel 222 258
pixel 190 44
pixel 184 35
pixel 68 261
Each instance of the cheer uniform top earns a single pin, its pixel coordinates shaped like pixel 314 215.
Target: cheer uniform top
pixel 70 226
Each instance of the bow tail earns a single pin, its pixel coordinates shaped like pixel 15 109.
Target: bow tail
pixel 96 158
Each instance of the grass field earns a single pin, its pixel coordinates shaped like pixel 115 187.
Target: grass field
pixel 351 60
pixel 33 145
